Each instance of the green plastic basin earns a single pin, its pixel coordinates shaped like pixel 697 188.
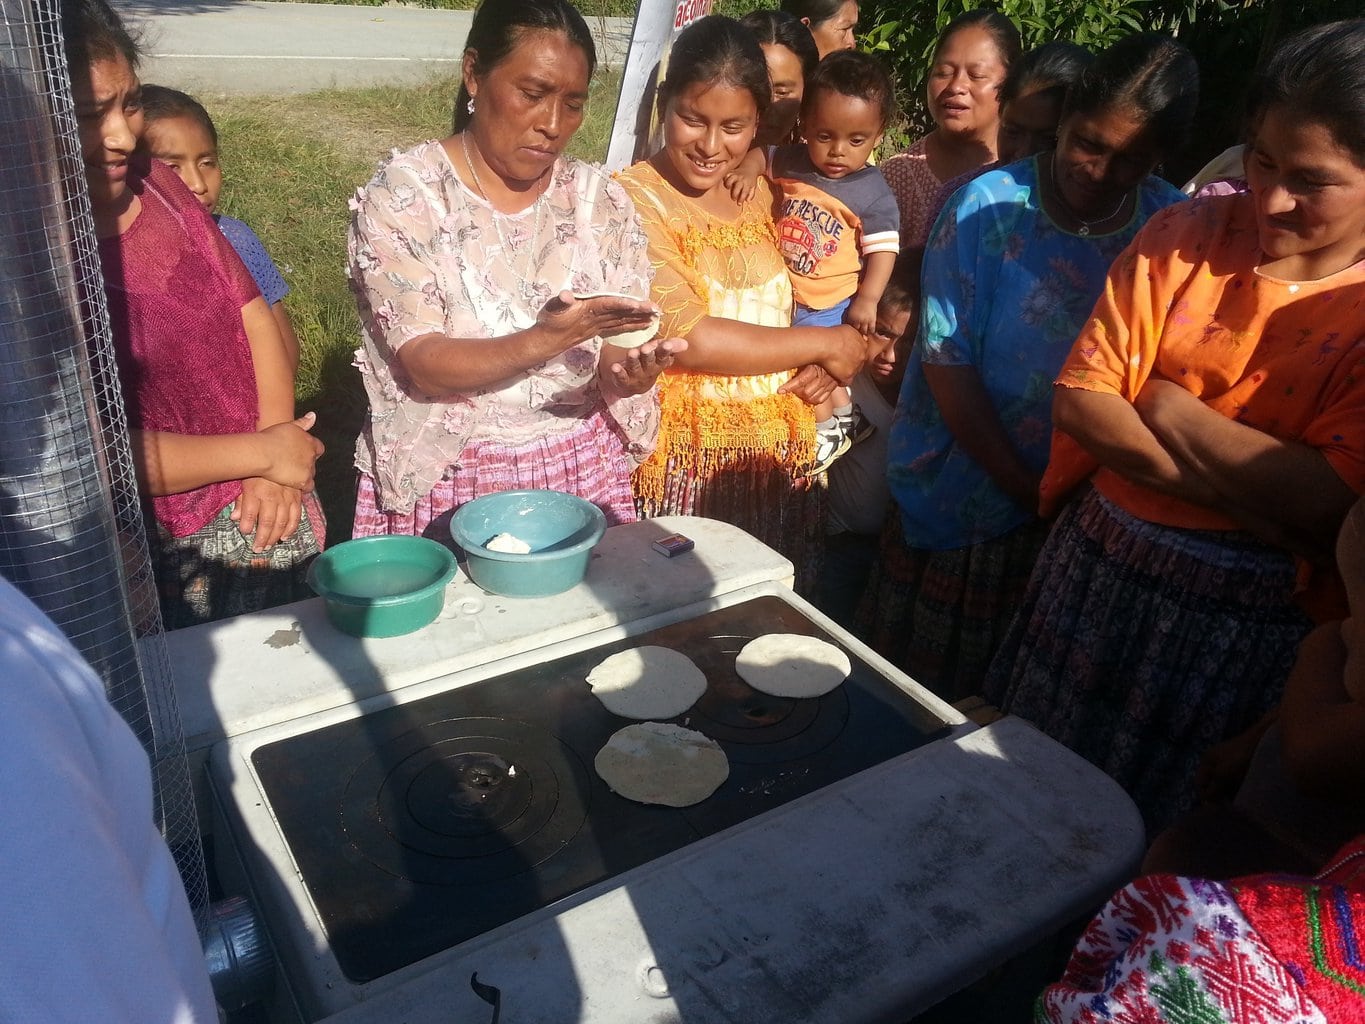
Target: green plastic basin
pixel 382 586
pixel 562 529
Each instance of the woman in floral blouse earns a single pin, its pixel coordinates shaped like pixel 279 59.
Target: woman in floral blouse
pixel 971 58
pixel 1010 274
pixel 483 370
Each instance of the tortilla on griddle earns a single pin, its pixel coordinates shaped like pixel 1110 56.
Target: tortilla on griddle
pixel 792 665
pixel 661 763
pixel 647 682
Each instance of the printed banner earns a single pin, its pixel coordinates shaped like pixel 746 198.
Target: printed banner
pixel 635 134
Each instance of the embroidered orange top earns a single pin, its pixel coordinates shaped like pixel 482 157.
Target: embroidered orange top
pixel 704 266
pixel 1185 302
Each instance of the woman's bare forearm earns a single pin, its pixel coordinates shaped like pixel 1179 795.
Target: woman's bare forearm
pixel 732 348
pixel 1284 482
pixel 285 454
pixel 174 463
pixel 1110 429
pixel 439 366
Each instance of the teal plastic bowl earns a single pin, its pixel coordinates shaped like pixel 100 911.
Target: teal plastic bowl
pixel 562 529
pixel 382 586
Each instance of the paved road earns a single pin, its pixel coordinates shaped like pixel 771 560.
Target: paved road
pixel 244 46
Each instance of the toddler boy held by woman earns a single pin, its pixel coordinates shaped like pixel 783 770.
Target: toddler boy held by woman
pixel 837 222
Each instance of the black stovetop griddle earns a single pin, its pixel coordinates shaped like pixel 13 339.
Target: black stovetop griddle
pixel 422 825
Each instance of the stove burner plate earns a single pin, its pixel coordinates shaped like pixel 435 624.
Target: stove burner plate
pixel 464 801
pixel 422 825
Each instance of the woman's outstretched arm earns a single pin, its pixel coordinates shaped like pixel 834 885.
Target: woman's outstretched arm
pixel 717 345
pixel 439 366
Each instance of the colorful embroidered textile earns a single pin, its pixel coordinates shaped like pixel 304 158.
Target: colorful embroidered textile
pixel 1186 303
pixel 426 257
pixel 574 462
pixel 1261 950
pixel 1140 646
pixel 176 289
pixel 1005 291
pixel 827 227
pixel 729 447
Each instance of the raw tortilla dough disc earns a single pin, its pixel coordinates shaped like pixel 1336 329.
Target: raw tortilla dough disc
pixel 630 339
pixel 508 544
pixel 792 665
pixel 660 763
pixel 647 682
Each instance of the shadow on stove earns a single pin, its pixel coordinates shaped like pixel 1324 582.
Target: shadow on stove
pixel 423 825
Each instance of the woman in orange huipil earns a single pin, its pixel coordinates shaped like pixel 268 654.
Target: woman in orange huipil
pixel 1216 403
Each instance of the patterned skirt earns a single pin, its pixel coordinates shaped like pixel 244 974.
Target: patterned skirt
pixel 1139 646
pixel 941 615
pixel 213 573
pixel 757 493
pixel 589 461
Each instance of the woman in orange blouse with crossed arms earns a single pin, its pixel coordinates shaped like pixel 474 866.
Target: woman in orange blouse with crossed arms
pixel 1216 403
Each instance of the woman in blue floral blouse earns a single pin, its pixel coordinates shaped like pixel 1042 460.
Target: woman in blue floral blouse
pixel 1011 272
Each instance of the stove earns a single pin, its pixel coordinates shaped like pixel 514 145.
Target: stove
pixel 870 853
pixel 423 825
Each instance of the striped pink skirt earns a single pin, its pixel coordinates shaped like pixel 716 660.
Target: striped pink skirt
pixel 589 461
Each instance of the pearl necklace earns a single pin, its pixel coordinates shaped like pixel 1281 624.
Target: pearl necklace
pixel 507 248
pixel 1085 225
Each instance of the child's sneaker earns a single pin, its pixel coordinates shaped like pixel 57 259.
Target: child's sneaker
pixel 857 427
pixel 831 443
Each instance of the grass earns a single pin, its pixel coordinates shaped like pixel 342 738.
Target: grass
pixel 290 166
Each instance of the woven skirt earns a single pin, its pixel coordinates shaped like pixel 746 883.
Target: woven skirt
pixel 1139 646
pixel 940 615
pixel 213 573
pixel 589 461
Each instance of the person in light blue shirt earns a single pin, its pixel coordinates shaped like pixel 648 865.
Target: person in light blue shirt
pixel 1012 270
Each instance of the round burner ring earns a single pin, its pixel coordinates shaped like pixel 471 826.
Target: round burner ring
pixel 464 801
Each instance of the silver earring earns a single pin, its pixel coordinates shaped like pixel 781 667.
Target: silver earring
pixel 470 105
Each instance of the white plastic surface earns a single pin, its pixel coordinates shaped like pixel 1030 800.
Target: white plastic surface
pixel 867 901
pixel 275 666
